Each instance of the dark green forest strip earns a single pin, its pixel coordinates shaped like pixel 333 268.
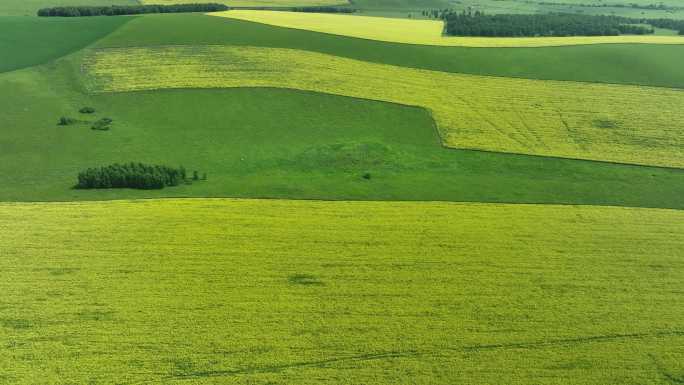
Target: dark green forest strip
pixel 120 10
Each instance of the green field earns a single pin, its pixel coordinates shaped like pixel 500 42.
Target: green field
pixel 308 146
pixel 29 41
pixel 611 123
pixel 337 239
pixel 30 7
pixel 655 65
pixel 217 291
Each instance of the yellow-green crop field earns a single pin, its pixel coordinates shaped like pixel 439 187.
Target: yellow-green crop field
pixel 258 3
pixel 617 123
pixel 424 32
pixel 220 291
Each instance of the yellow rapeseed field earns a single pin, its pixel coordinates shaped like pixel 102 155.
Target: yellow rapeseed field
pixel 217 291
pixel 618 123
pixel 425 32
pixel 257 3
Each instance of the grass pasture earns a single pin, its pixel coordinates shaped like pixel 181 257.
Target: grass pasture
pixel 611 123
pixel 252 291
pixel 29 41
pixel 428 32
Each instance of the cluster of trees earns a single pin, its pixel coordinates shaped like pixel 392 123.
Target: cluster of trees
pixel 131 175
pixel 116 10
pixel 437 13
pixel 556 24
pixel 677 25
pixel 324 9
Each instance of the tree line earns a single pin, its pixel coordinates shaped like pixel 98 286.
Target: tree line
pixel 556 24
pixel 131 175
pixel 118 10
pixel 677 25
pixel 653 6
pixel 324 9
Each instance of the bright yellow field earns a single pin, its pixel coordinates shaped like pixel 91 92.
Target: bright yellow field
pixel 618 123
pixel 257 3
pixel 297 292
pixel 426 32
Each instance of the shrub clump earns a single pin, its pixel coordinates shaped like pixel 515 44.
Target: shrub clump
pixel 87 110
pixel 102 124
pixel 131 175
pixel 66 121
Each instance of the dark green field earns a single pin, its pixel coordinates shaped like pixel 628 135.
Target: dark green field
pixel 657 65
pixel 29 41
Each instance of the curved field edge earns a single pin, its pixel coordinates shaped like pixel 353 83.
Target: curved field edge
pixel 31 41
pixel 373 292
pixel 656 65
pixel 421 32
pixel 278 143
pixel 614 123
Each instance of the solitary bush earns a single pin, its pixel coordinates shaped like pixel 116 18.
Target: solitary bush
pixel 366 175
pixel 87 110
pixel 102 124
pixel 116 10
pixel 66 121
pixel 130 175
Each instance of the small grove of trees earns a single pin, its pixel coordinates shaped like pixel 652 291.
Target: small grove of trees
pixel 132 175
pixel 324 9
pixel 558 24
pixel 117 10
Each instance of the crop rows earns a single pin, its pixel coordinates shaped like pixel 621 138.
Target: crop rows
pixel 629 124
pixel 254 291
